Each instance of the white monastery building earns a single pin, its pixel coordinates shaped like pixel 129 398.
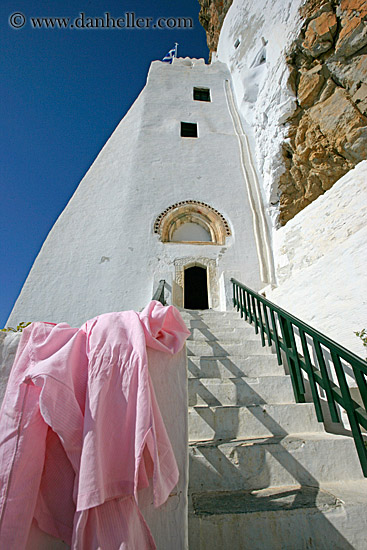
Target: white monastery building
pixel 172 195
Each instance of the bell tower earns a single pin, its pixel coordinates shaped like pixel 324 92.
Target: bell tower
pixel 166 198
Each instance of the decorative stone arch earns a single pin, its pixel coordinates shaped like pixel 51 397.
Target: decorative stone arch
pixel 191 211
pixel 178 285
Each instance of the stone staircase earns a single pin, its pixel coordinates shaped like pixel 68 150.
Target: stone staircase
pixel 263 472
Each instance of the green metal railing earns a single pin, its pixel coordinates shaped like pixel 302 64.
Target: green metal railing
pixel 308 351
pixel 159 293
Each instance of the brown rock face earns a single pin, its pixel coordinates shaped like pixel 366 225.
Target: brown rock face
pixel 211 17
pixel 360 98
pixel 319 34
pixel 310 84
pixel 353 34
pixel 335 114
pixel 328 72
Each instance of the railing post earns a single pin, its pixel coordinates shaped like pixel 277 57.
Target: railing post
pixel 245 304
pixel 267 326
pixel 250 316
pixel 159 293
pixel 326 380
pixel 261 324
pixel 254 314
pixel 276 337
pixel 241 302
pixel 358 439
pixel 311 377
pixel 291 353
pixel 361 383
pixel 237 301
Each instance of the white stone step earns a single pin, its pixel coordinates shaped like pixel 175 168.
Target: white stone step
pixel 330 517
pixel 240 391
pixel 233 367
pixel 209 314
pixel 238 334
pixel 219 319
pixel 224 349
pixel 304 459
pixel 251 422
pixel 218 323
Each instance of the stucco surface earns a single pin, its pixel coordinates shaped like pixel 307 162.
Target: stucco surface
pixel 320 261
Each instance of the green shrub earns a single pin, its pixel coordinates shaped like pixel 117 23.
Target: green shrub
pixel 362 334
pixel 19 328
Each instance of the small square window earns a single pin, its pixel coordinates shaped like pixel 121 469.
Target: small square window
pixel 189 129
pixel 202 94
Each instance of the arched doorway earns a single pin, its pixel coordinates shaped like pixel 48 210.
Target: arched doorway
pixel 195 288
pixel 194 214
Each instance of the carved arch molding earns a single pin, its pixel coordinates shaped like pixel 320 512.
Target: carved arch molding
pixel 178 287
pixel 191 211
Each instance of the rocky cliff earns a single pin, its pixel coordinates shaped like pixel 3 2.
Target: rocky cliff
pixel 328 74
pixel 211 17
pixel 313 129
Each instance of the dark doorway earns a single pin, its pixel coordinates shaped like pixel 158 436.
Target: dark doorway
pixel 195 288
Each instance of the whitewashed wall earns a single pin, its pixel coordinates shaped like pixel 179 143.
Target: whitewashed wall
pixel 168 523
pixel 8 347
pixel 321 261
pixel 263 97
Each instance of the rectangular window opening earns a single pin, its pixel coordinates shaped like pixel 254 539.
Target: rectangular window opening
pixel 189 129
pixel 202 94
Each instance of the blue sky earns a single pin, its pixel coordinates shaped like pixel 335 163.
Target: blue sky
pixel 63 93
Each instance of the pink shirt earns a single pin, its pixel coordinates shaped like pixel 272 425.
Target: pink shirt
pixel 81 431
